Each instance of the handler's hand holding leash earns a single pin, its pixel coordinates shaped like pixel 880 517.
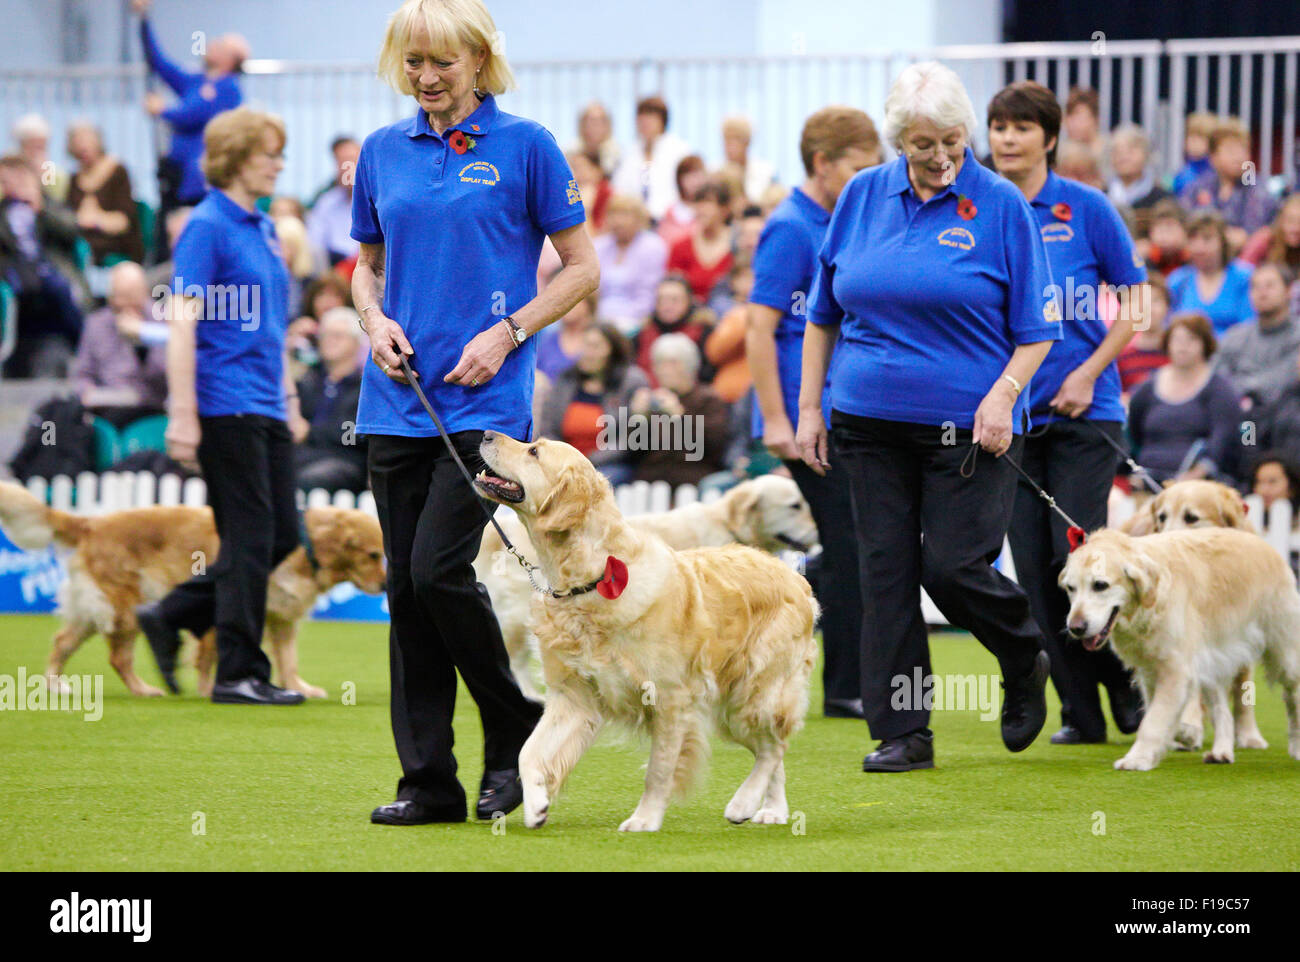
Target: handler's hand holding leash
pixel 388 343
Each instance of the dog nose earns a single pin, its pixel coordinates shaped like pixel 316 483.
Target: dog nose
pixel 1076 628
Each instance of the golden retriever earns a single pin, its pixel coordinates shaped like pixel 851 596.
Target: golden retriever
pixel 767 512
pixel 668 641
pixel 1187 610
pixel 130 557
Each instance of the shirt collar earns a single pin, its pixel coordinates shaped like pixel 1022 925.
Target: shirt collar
pixel 476 124
pixel 1050 195
pixel 897 180
pixel 233 210
pixel 813 210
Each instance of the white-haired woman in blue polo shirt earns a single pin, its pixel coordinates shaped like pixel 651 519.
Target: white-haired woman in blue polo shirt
pixel 451 208
pixel 933 277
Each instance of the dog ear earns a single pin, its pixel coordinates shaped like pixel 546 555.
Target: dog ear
pixel 570 500
pixel 741 501
pixel 1145 575
pixel 1143 521
pixel 1232 511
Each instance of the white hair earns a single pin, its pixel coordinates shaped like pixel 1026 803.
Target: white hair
pixel 676 347
pixel 927 91
pixel 31 125
pixel 343 316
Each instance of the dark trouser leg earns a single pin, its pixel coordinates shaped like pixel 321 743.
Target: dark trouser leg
pixel 965 521
pixel 840 583
pixel 884 476
pixel 441 619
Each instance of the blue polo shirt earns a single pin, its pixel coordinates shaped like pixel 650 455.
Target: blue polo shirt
pixel 462 234
pixel 931 305
pixel 1230 306
pixel 230 258
pixel 783 274
pixel 1092 246
pixel 198 101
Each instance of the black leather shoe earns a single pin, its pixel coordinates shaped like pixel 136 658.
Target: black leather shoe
pixel 254 691
pixel 1069 735
pixel 500 791
pixel 1126 707
pixel 164 642
pixel 406 811
pixel 903 754
pixel 843 708
pixel 1024 705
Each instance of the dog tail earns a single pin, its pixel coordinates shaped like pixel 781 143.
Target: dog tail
pixel 31 525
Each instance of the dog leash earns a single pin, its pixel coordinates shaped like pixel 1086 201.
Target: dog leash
pixel 1074 533
pixel 1138 471
pixel 528 566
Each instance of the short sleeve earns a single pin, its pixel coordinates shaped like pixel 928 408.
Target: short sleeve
pixel 1113 247
pixel 554 203
pixel 196 260
pixel 1033 311
pixel 782 262
pixel 365 218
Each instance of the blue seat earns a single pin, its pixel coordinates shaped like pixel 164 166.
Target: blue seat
pixel 146 434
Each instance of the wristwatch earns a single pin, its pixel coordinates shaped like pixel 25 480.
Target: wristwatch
pixel 517 333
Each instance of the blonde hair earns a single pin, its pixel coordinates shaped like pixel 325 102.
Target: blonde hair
pixel 929 91
pixel 231 137
pixel 449 23
pixel 293 240
pixel 628 204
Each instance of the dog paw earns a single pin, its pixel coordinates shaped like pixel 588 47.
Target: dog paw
pixel 1251 740
pixel 149 691
pixel 311 691
pixel 1293 749
pixel 1218 758
pixel 640 823
pixel 770 816
pixel 1188 738
pixel 1135 763
pixel 537 806
pixel 739 812
pixel 57 685
pixel 536 819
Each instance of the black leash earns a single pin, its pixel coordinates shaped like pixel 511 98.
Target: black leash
pixel 1138 471
pixel 969 472
pixel 528 566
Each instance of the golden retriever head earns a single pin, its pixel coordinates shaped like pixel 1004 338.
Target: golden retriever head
pixel 549 484
pixel 349 546
pixel 1106 579
pixel 1198 504
pixel 769 512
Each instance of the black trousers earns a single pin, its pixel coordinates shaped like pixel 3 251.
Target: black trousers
pixel 1076 467
pixel 441 618
pixel 247 463
pixel 919 523
pixel 839 589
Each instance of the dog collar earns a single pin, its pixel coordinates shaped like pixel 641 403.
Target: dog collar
pixel 305 540
pixel 609 585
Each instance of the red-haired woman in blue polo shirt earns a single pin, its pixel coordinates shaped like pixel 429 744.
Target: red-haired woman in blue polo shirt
pixel 932 275
pixel 451 208
pixel 1087 247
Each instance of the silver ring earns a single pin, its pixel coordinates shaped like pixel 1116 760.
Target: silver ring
pixel 387 368
pixel 474 383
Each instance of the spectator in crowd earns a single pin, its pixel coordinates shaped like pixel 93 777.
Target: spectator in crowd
pixel 632 263
pixel 675 313
pixel 1165 246
pixel 748 230
pixel 755 174
pixel 1274 477
pixel 1082 127
pixel 724 348
pixel 121 365
pixel 328 452
pixel 596 138
pixel 161 274
pixel 200 97
pixel 1134 184
pixel 1196 149
pixel 835 143
pixel 704 256
pixel 676 222
pixel 1258 357
pixel 1279 243
pixel 772 198
pixel 920 385
pixel 329 222
pixel 1229 186
pixel 38 238
pixel 1183 420
pixel 600 384
pixel 230 402
pixel 593 187
pixel 282 205
pixel 692 421
pixel 649 170
pixel 1210 283
pixel 1077 162
pixel 1088 250
pixel 100 196
pixel 32 135
pixel 323 293
pixel 1146 352
pixel 296 250
pixel 560 345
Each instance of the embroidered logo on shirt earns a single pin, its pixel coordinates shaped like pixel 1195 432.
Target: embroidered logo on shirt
pixel 480 172
pixel 957 237
pixel 1057 231
pixel 572 192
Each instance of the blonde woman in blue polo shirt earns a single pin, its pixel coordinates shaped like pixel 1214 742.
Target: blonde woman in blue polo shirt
pixel 451 207
pixel 932 276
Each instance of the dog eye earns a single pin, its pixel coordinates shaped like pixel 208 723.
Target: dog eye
pixel 1099 586
pixel 1190 518
pixel 533 450
pixel 374 556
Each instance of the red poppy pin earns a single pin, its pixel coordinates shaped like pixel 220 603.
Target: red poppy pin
pixel 460 142
pixel 1062 211
pixel 966 209
pixel 615 580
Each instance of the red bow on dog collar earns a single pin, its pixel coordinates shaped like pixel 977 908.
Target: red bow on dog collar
pixel 615 580
pixel 1076 536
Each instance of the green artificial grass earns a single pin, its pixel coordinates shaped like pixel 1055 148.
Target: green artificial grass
pixel 292 788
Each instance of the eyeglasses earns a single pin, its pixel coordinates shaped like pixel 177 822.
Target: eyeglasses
pixel 938 149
